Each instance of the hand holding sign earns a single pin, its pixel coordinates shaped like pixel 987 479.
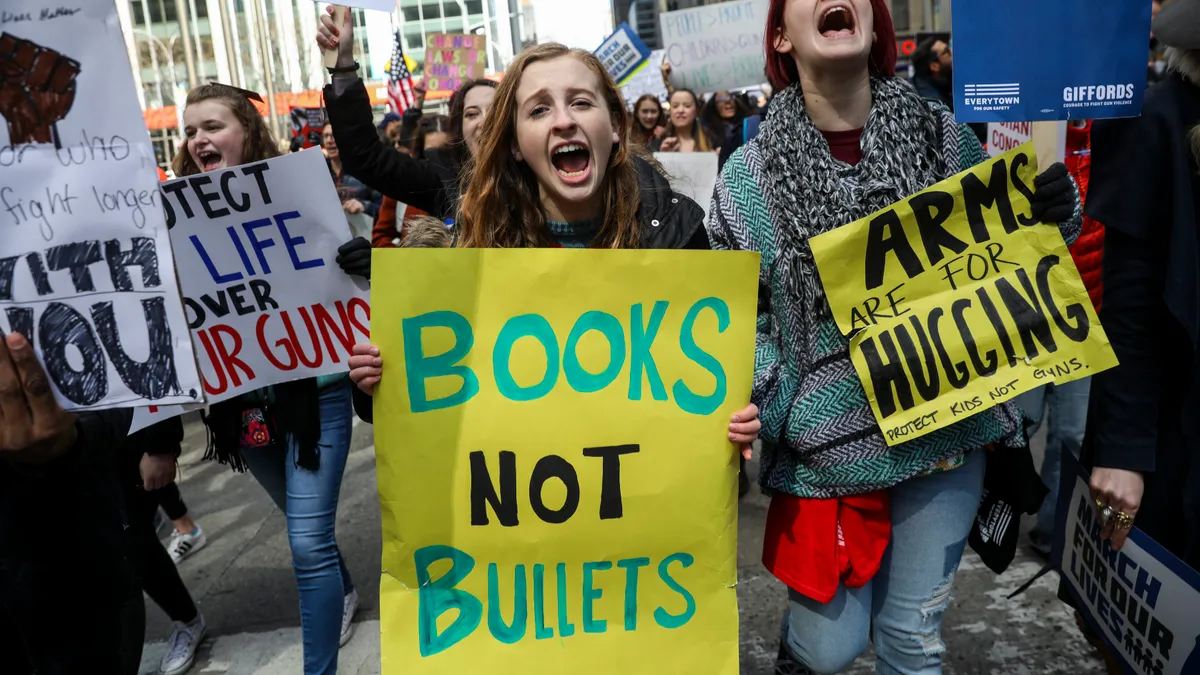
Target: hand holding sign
pixel 1121 491
pixel 744 429
pixel 366 367
pixel 37 89
pixel 335 37
pixel 33 427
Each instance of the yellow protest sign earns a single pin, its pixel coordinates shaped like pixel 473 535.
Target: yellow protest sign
pixel 956 300
pixel 557 485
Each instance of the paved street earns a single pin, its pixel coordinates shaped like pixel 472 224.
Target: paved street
pixel 244 585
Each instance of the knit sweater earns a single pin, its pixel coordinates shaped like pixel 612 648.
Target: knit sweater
pixel 811 401
pixel 574 235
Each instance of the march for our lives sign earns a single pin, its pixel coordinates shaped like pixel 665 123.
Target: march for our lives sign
pixel 1030 60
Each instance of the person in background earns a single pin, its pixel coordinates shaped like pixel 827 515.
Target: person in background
pixel 1064 406
pixel 648 120
pixel 390 127
pixel 187 537
pixel 147 467
pixel 683 133
pixel 407 140
pixel 427 232
pixel 433 133
pixel 432 184
pixel 722 116
pixel 356 197
pixel 866 536
pixel 294 438
pixel 933 76
pixel 1156 65
pixel 55 466
pixel 1143 434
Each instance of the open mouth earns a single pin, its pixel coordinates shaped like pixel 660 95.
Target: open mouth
pixel 209 160
pixel 836 22
pixel 572 161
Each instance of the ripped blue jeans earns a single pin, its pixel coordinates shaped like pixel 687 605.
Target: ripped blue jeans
pixel 901 608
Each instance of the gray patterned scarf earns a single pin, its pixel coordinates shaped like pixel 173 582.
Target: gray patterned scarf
pixel 807 190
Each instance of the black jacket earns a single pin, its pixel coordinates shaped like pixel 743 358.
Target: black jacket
pixel 669 220
pixel 63 547
pixel 1145 188
pixel 430 184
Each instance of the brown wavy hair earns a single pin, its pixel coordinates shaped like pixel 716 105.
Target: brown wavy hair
pixel 259 144
pixel 501 207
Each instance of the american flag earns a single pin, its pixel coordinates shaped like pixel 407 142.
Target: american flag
pixel 400 85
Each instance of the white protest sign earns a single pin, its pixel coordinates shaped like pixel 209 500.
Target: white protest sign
pixel 86 271
pixel 1004 136
pixel 648 80
pixel 716 47
pixel 693 174
pixel 147 416
pixel 1144 601
pixel 256 247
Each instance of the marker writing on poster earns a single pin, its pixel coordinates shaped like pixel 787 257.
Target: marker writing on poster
pixel 529 590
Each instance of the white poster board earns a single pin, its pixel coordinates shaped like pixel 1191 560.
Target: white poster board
pixel 256 247
pixel 1142 600
pixel 648 80
pixel 693 174
pixel 86 270
pixel 716 47
pixel 379 5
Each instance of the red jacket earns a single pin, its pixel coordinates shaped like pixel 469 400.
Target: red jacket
pixel 1088 250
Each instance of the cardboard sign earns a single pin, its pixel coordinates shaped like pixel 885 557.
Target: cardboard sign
pixel 646 80
pixel 86 271
pixel 716 47
pixel 957 300
pixel 1141 600
pixel 1011 63
pixel 693 174
pixel 451 58
pixel 623 53
pixel 256 247
pixel 557 484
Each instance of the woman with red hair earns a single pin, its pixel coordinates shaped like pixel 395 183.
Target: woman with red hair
pixel 867 537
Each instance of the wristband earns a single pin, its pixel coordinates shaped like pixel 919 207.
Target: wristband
pixel 337 70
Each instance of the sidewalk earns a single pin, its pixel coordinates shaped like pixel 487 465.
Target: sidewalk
pixel 244 585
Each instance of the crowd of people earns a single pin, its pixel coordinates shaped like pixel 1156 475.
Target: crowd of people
pixel 865 537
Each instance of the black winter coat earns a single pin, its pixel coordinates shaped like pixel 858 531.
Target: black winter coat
pixel 430 184
pixel 1145 188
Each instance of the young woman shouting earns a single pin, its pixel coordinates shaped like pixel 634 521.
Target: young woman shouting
pixel 554 168
pixel 844 139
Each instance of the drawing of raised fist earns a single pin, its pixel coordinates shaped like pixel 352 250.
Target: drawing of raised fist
pixel 37 89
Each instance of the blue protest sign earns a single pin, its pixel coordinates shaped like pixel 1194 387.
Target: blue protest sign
pixel 622 53
pixel 1031 60
pixel 1142 601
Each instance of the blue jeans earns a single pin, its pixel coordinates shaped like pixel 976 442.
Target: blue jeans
pixel 901 608
pixel 309 500
pixel 1068 404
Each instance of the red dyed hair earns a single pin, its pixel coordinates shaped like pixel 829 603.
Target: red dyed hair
pixel 781 68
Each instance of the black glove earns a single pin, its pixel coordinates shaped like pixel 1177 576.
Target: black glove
pixel 354 257
pixel 1054 195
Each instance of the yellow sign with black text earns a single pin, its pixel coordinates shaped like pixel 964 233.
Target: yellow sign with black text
pixel 956 300
pixel 557 485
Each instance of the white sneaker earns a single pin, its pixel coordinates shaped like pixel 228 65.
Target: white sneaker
pixel 181 648
pixel 349 607
pixel 183 545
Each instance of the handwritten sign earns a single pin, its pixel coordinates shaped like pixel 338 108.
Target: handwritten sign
pixel 623 53
pixel 86 271
pixel 451 58
pixel 646 80
pixel 693 174
pixel 255 247
pixel 716 47
pixel 957 299
pixel 1141 600
pixel 557 487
